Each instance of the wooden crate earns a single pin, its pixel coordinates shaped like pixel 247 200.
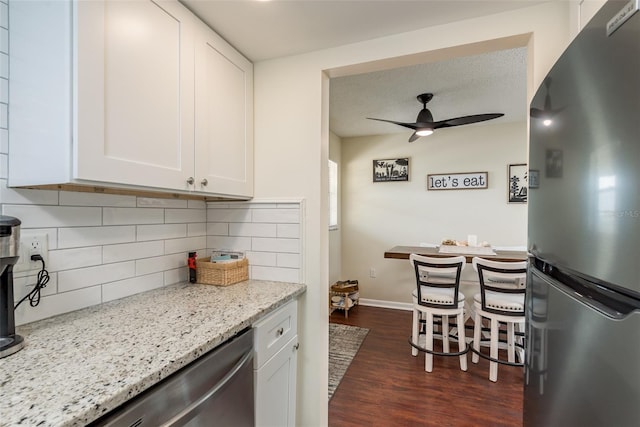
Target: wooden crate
pixel 221 273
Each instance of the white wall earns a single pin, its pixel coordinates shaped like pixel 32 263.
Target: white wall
pixel 335 236
pixel 378 216
pixel 291 124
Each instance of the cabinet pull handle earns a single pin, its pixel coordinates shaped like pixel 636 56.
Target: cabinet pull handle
pixel 204 182
pixel 190 180
pixel 280 331
pixel 297 346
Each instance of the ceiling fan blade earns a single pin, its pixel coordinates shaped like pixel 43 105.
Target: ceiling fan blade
pixel 413 137
pixel 466 120
pixel 413 126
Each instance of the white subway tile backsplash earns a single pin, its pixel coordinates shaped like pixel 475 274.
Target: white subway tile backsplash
pixel 229 215
pixel 92 236
pixel 268 259
pixel 281 216
pixel 121 216
pixel 72 198
pixel 53 216
pixel 160 232
pixel 275 245
pixel 288 260
pixel 127 287
pixel 176 276
pixel 4 159
pixel 161 263
pixel 187 244
pixel 4 116
pixel 4 40
pixel 147 202
pixel 252 230
pixel 196 204
pixel 90 276
pixel 197 229
pixel 4 136
pixel 104 247
pixel 4 65
pixel 218 229
pixel 23 285
pixel 288 230
pixel 275 274
pixel 4 90
pixel 131 251
pixel 229 243
pixel 20 196
pixel 185 215
pixel 58 304
pixel 66 259
pixel 4 15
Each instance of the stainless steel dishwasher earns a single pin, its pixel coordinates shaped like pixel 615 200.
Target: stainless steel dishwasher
pixel 215 390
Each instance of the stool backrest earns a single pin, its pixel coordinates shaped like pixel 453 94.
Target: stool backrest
pixel 432 272
pixel 501 278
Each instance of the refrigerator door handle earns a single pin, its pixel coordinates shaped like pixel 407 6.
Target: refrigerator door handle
pixel 605 301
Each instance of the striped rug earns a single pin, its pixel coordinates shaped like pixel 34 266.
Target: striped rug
pixel 344 343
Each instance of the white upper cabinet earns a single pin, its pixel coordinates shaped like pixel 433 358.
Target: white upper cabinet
pixel 224 116
pixel 143 95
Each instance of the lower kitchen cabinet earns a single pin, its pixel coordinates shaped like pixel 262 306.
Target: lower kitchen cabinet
pixel 275 366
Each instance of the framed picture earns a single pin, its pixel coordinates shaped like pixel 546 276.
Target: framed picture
pixel 534 178
pixel 553 163
pixel 386 170
pixel 518 183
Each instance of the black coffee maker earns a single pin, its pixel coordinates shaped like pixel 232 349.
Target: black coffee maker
pixel 9 249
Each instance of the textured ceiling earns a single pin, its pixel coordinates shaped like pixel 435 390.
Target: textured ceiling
pixel 490 83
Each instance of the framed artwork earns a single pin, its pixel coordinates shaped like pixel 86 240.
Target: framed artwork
pixel 553 163
pixel 518 183
pixel 534 178
pixel 386 170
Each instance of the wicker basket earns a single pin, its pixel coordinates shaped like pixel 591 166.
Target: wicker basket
pixel 221 273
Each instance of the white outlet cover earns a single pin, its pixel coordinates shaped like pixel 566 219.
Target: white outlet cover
pixel 29 240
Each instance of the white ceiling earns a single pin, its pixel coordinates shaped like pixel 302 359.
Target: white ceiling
pixel 264 30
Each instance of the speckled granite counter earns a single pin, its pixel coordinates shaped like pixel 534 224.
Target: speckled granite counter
pixel 78 366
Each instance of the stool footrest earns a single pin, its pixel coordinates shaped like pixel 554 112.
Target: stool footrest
pixel 439 353
pixel 484 356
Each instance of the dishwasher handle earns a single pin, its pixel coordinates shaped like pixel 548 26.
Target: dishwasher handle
pixel 188 412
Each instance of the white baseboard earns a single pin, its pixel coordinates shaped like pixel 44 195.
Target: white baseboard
pixel 386 304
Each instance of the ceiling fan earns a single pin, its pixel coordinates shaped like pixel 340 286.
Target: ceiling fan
pixel 424 124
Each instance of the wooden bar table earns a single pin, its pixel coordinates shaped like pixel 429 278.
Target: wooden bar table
pixel 403 252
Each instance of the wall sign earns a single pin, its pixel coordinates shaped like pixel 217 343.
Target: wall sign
pixel 458 181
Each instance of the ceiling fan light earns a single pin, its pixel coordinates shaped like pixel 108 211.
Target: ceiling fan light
pixel 424 132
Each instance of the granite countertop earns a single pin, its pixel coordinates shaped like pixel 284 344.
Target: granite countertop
pixel 78 366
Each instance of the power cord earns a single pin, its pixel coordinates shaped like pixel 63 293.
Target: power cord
pixel 42 280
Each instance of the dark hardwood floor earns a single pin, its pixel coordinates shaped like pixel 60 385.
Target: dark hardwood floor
pixel 386 386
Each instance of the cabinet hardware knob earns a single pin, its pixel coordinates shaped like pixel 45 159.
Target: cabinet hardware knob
pixel 280 331
pixel 297 346
pixel 204 182
pixel 190 180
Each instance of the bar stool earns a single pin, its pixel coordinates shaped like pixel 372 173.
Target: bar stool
pixel 501 300
pixel 437 294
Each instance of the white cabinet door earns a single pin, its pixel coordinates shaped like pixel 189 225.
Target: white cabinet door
pixel 134 85
pixel 224 117
pixel 275 388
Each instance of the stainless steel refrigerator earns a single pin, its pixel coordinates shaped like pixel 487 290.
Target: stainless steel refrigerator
pixel 582 364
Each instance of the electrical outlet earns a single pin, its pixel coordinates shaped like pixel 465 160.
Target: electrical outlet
pixel 372 273
pixel 31 244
